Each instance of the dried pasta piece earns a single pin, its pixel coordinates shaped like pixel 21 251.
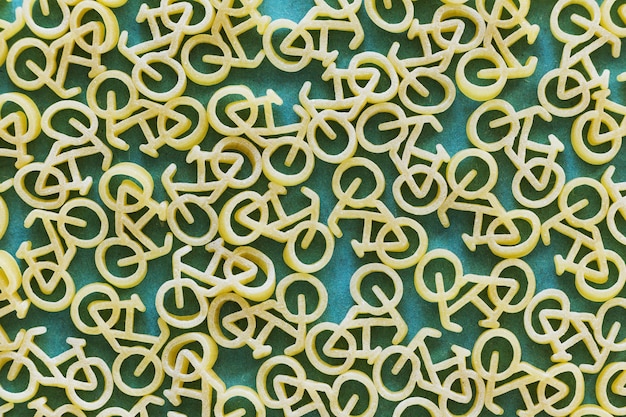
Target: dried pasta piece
pixel 10 282
pixel 500 289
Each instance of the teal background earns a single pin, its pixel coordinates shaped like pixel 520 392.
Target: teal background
pixel 238 366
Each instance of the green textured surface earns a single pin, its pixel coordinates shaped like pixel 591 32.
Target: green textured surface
pixel 238 366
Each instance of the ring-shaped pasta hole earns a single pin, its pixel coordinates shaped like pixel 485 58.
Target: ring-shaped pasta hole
pixel 501 347
pixel 165 79
pixel 53 19
pixel 615 399
pixel 402 243
pixel 424 91
pixel 290 380
pixel 123 262
pixel 593 211
pixel 483 176
pixel 69 122
pixel 29 55
pixel 536 195
pixel 84 226
pixel 198 21
pixel 568 27
pixel 383 84
pixel 181 114
pixel 208 56
pixel 350 388
pixel 491 133
pixel 614 16
pixel 477 71
pixel 473 28
pixel 377 288
pixel 312 293
pixel 23 382
pixel 113 96
pixel 369 186
pixel 557 326
pixel 42 186
pixel 11 106
pixel 244 326
pixel 331 137
pixel 312 243
pixel 455 384
pixel 571 100
pixel 569 378
pixel 250 223
pixel 195 222
pixel 500 294
pixel 291 159
pixel 191 307
pixel 78 375
pixel 377 137
pixel 109 316
pixel 236 162
pixel 134 377
pixel 343 344
pixel 56 290
pixel 422 201
pixel 604 143
pixel 92 18
pixel 403 379
pixel 447 272
pixel 300 44
pixel 614 315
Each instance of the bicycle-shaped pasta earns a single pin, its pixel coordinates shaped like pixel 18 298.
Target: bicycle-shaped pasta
pixel 547 324
pixel 450 379
pixel 85 376
pixel 506 372
pixel 169 23
pixel 18 127
pixel 412 71
pixel 239 226
pixel 44 277
pixel 261 320
pixel 330 133
pixel 618 202
pixel 52 186
pixel 587 258
pixel 478 199
pixel 114 319
pixel 383 233
pixel 571 99
pixel 185 365
pixel 517 145
pixel 601 141
pixel 338 352
pixel 448 25
pixel 10 282
pixel 259 124
pixel 240 158
pixel 297 395
pixel 506 25
pixel 506 291
pixel 291 56
pixel 84 44
pixel 221 50
pixel 174 125
pixel 131 198
pixel 432 189
pixel 140 409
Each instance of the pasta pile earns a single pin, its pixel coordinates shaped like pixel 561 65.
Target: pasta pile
pixel 150 155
